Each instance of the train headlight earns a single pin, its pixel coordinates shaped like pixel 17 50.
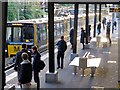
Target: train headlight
pixel 5 50
pixel 27 40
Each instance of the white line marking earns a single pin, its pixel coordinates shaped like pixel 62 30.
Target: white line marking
pixel 9 70
pixel 11 76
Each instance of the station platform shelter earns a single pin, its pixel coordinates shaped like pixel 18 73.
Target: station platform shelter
pixel 105 74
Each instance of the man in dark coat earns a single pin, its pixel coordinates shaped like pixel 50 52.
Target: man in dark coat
pixel 36 58
pixel 108 33
pixel 82 37
pixel 99 28
pixel 18 58
pixel 71 37
pixel 25 71
pixel 104 22
pixel 62 46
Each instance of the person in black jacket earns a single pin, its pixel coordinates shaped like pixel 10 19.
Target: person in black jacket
pixel 108 33
pixel 62 46
pixel 25 71
pixel 99 28
pixel 82 37
pixel 18 58
pixel 36 58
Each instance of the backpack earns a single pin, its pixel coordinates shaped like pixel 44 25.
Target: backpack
pixel 41 65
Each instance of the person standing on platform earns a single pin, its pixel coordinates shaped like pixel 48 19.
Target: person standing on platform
pixel 62 46
pixel 71 37
pixel 99 28
pixel 108 32
pixel 82 37
pixel 18 58
pixel 115 24
pixel 104 22
pixel 35 63
pixel 25 72
pixel 89 34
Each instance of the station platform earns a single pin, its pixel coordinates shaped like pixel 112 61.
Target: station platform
pixel 106 75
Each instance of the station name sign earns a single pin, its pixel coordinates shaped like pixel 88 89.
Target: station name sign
pixel 114 10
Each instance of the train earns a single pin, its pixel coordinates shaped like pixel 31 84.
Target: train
pixel 35 32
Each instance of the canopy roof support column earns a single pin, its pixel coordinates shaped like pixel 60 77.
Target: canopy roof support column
pixel 51 75
pixel 95 19
pixel 75 28
pixel 3 18
pixel 87 22
pixel 51 36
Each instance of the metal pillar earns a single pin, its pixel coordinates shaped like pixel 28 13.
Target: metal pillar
pixel 99 12
pixel 87 22
pixel 113 16
pixel 75 28
pixel 51 36
pixel 3 18
pixel 95 19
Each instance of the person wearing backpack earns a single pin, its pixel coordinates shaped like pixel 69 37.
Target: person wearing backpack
pixel 36 59
pixel 62 46
pixel 25 72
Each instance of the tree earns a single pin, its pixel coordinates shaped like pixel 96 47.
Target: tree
pixel 24 10
pixel 11 11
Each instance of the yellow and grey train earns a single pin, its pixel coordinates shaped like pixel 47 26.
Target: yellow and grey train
pixel 35 32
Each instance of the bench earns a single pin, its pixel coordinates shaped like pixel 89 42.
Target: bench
pixel 92 63
pixel 84 63
pixel 75 61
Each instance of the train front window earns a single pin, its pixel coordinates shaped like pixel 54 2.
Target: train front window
pixel 9 34
pixel 17 34
pixel 28 33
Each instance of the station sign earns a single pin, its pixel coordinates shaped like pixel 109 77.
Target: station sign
pixel 114 9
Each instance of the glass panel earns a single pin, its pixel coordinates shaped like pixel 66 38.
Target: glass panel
pixel 16 34
pixel 28 33
pixel 8 34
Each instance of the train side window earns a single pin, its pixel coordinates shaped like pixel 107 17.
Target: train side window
pixel 44 32
pixel 38 34
pixel 28 32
